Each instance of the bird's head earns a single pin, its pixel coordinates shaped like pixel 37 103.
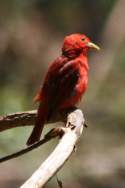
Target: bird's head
pixel 76 44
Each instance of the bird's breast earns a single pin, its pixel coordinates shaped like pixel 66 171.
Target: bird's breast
pixel 82 81
pixel 79 88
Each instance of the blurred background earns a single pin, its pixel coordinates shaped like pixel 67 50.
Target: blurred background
pixel 31 35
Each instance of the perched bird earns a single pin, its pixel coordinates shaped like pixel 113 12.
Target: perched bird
pixel 65 82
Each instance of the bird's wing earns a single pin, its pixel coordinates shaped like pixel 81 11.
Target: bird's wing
pixel 60 82
pixel 51 77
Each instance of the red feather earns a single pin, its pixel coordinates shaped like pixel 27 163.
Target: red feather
pixel 65 82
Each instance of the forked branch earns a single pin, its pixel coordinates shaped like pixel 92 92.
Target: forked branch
pixel 62 152
pixel 68 135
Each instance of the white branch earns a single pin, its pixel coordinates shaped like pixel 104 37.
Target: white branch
pixel 62 152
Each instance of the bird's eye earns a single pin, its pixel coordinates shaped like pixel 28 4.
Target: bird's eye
pixel 83 39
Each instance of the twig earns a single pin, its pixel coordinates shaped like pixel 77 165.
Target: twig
pixel 62 152
pixel 50 135
pixel 17 119
pixel 26 118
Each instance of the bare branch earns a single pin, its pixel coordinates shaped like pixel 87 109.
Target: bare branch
pixel 17 120
pixel 26 118
pixel 50 135
pixel 62 152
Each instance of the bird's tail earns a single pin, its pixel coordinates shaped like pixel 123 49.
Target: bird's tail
pixel 37 130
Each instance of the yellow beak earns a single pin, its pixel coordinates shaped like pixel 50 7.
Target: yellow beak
pixel 92 45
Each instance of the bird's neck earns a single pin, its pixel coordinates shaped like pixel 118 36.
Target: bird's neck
pixel 83 59
pixel 71 54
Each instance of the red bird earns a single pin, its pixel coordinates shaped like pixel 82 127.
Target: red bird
pixel 65 81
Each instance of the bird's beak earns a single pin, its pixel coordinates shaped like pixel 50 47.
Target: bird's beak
pixel 92 45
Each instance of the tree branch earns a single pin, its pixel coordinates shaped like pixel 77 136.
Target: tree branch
pixel 50 135
pixel 62 152
pixel 69 136
pixel 26 118
pixel 17 120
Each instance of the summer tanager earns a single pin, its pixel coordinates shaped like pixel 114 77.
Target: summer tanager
pixel 65 81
